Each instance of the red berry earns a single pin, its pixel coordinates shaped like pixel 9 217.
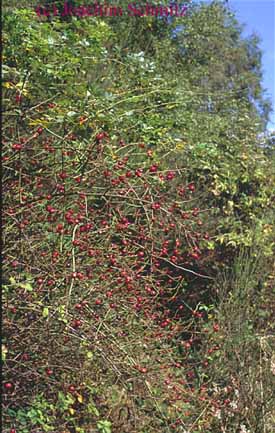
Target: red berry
pixel 8 386
pixel 63 175
pixel 98 302
pixel 49 372
pixel 100 136
pixel 216 327
pixel 170 175
pixel 76 323
pixel 138 172
pixel 71 388
pixel 153 168
pixel 18 98
pixel 17 146
pixel 25 357
pixel 155 206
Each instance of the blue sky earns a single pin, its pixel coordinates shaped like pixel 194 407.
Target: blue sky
pixel 259 17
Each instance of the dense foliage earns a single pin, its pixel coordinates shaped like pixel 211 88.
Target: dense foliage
pixel 138 235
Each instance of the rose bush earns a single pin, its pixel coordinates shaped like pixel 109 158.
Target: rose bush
pixel 124 198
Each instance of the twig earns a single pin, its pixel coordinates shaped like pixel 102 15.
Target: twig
pixel 73 267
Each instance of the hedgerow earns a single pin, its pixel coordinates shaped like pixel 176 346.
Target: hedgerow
pixel 128 197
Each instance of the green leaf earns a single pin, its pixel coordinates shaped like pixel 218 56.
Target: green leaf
pixel 26 286
pixel 90 355
pixel 45 312
pixel 71 113
pixel 104 426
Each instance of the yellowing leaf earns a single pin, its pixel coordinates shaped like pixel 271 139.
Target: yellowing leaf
pixel 71 411
pixel 22 89
pixel 39 122
pixel 4 352
pixel 8 85
pixel 79 398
